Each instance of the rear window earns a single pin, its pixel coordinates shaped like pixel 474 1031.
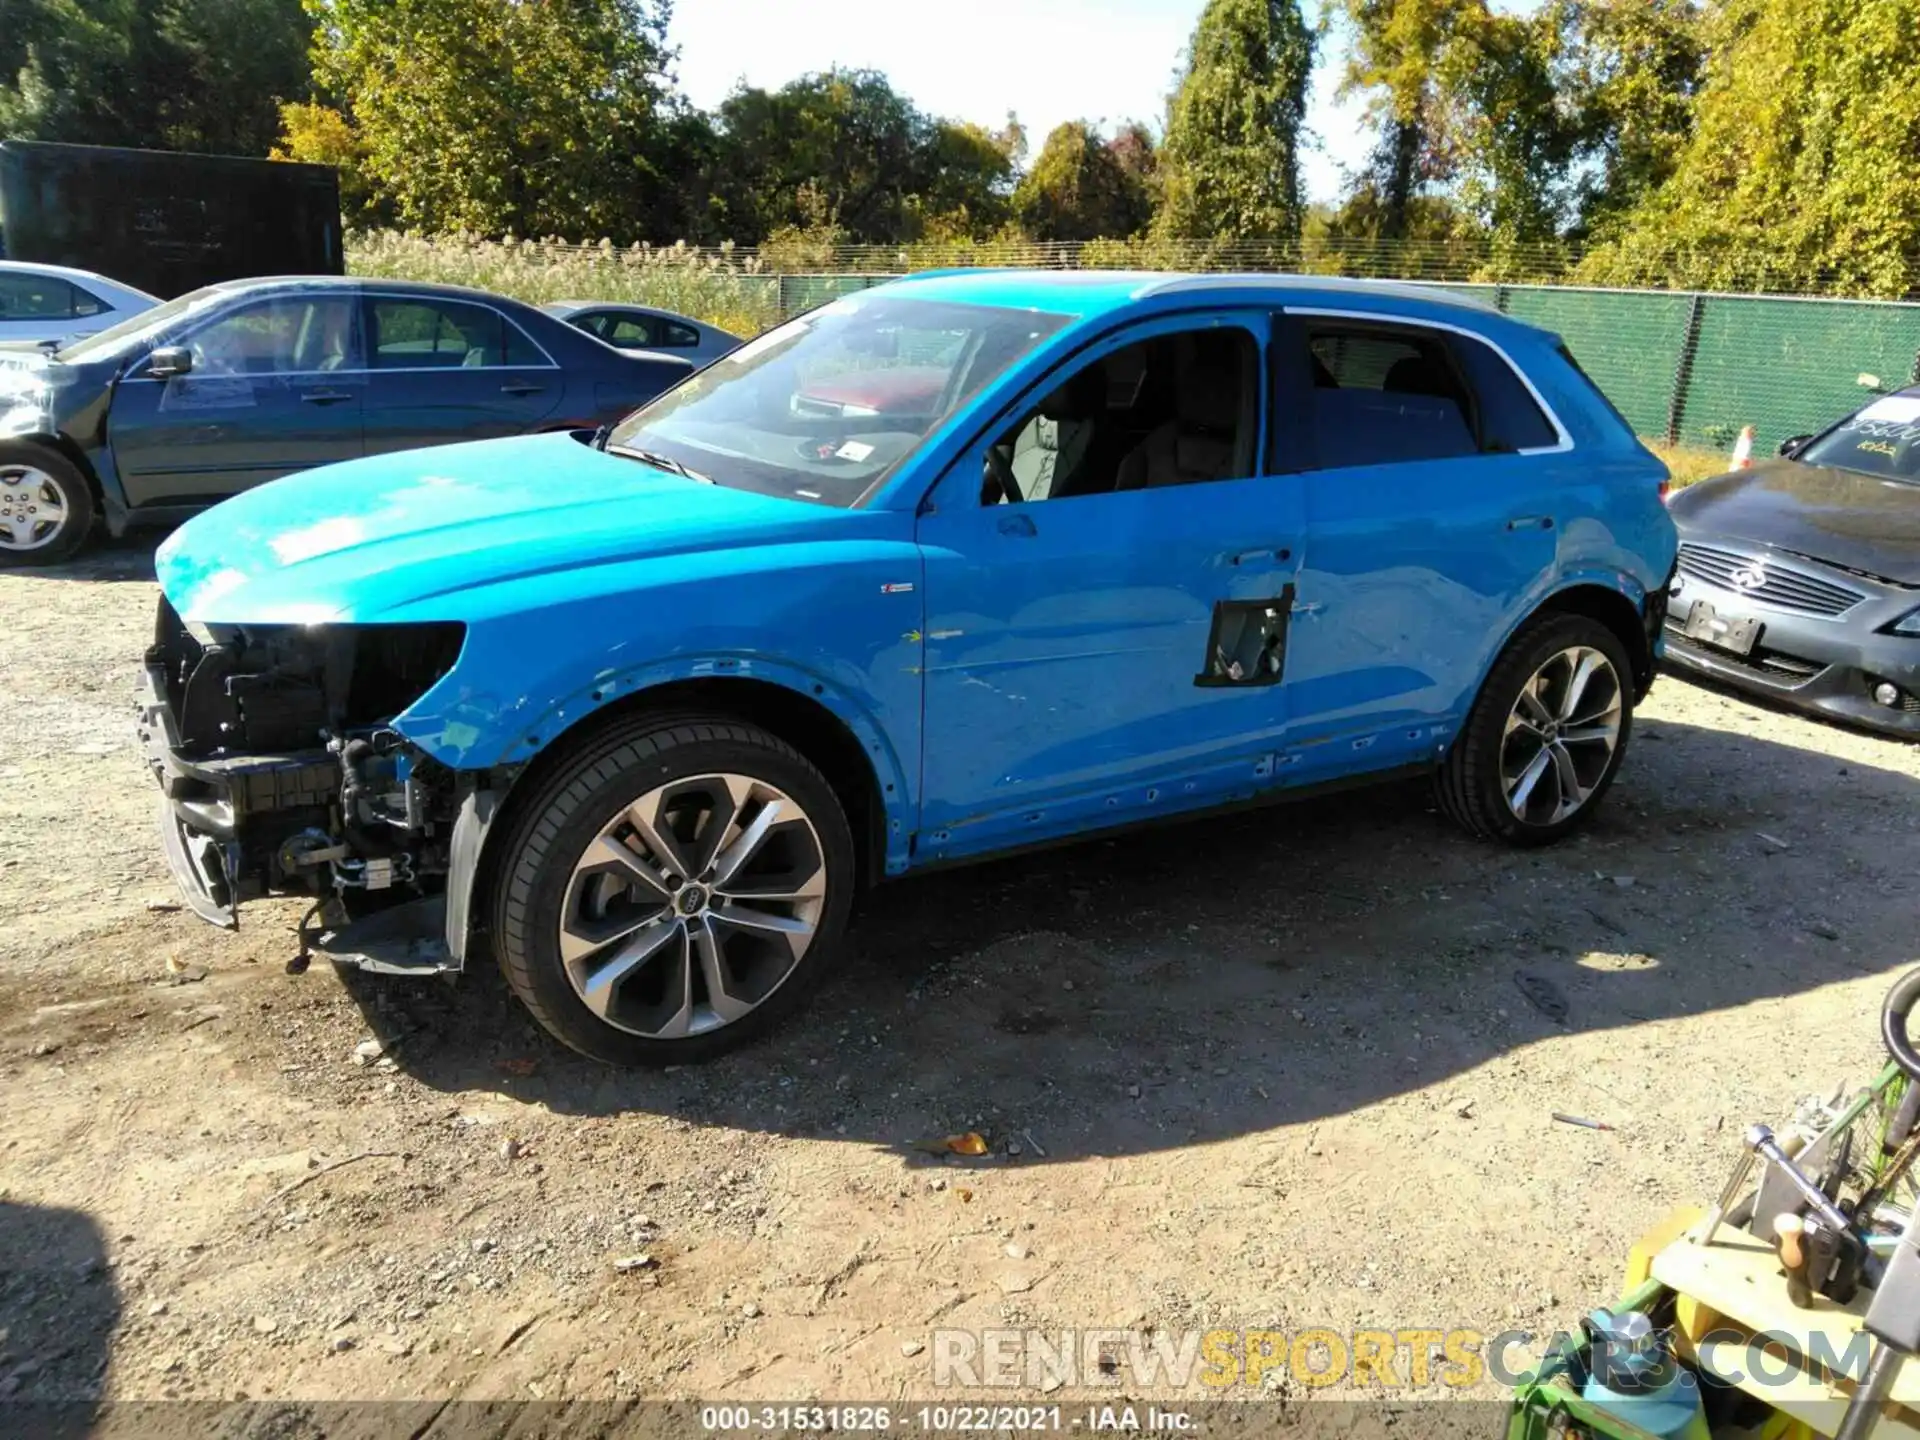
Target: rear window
pixel 1599 394
pixel 1510 418
pixel 1882 439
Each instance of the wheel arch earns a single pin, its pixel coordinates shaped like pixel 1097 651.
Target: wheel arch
pixel 64 446
pixel 1613 608
pixel 872 803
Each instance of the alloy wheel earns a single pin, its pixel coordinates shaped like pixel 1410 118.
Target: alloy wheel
pixel 1561 736
pixel 692 906
pixel 32 508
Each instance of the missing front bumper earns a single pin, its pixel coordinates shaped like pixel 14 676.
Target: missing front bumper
pixel 212 812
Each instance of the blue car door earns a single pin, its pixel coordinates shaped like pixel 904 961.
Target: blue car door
pixel 1107 581
pixel 452 370
pixel 1432 481
pixel 276 385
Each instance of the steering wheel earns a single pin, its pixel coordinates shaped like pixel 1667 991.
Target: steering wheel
pixel 1000 477
pixel 1893 1023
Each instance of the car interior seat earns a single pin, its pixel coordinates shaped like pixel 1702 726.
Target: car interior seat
pixel 1211 386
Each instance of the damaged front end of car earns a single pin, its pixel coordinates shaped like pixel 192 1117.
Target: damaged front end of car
pixel 281 773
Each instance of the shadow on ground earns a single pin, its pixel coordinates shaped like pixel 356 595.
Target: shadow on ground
pixel 1230 975
pixel 59 1307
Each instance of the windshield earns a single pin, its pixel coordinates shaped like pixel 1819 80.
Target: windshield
pixel 1883 439
pixel 823 406
pixel 136 329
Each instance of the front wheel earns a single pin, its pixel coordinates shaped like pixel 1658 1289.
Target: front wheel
pixel 674 890
pixel 46 505
pixel 1546 735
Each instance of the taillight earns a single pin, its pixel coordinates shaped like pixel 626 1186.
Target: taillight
pixel 1666 492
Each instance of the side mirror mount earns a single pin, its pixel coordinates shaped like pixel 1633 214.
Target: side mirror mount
pixel 1793 445
pixel 169 361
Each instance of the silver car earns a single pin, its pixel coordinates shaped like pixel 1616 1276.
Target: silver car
pixel 640 327
pixel 52 302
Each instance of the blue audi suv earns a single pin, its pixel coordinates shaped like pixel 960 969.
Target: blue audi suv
pixel 965 563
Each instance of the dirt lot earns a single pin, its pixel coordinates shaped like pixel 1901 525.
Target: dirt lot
pixel 1270 1071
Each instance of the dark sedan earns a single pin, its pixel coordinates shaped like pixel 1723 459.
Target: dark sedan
pixel 1799 579
pixel 237 384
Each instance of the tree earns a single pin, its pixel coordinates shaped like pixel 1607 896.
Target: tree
pixel 204 75
pixel 1081 189
pixel 535 117
pixel 1799 170
pixel 1230 165
pixel 1631 71
pixel 844 150
pixel 1395 59
pixel 1513 143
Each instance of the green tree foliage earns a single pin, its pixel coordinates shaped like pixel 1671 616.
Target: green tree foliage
pixel 845 149
pixel 1628 77
pixel 1395 61
pixel 1230 166
pixel 494 116
pixel 1081 189
pixel 1800 170
pixel 204 75
pixel 1512 141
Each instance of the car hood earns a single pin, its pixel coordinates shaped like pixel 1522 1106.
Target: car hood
pixel 1859 522
pixel 362 540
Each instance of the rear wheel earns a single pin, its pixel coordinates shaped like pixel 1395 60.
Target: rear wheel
pixel 674 890
pixel 46 505
pixel 1546 735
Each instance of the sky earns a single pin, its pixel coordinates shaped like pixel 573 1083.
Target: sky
pixel 1045 60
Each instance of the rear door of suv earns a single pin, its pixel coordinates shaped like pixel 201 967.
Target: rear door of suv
pixel 1431 474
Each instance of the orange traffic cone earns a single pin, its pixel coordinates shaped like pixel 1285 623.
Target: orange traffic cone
pixel 1742 450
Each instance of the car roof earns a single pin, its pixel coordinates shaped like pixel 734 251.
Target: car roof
pixel 69 272
pixel 1089 293
pixel 363 282
pixel 574 307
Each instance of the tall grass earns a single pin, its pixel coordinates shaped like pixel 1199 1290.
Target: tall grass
pixel 737 295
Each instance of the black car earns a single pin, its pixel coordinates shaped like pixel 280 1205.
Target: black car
pixel 1799 579
pixel 237 384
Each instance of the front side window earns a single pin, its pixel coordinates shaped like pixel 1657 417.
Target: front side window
pixel 37 297
pixel 823 407
pixel 1881 439
pixel 287 335
pixel 1174 410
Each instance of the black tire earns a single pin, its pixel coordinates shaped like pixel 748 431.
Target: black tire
pixel 573 806
pixel 75 496
pixel 1469 787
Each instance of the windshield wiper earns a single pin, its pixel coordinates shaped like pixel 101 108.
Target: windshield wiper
pixel 658 461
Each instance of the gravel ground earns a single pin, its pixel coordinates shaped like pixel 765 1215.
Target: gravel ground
pixel 1267 1071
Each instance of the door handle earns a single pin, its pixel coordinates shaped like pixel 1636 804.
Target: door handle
pixel 326 397
pixel 1281 553
pixel 521 389
pixel 1530 522
pixel 1021 525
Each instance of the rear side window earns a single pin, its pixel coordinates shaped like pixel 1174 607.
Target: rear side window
pixel 446 334
pixel 1384 395
pixel 40 297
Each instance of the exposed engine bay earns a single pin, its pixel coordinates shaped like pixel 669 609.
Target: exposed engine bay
pixel 279 768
